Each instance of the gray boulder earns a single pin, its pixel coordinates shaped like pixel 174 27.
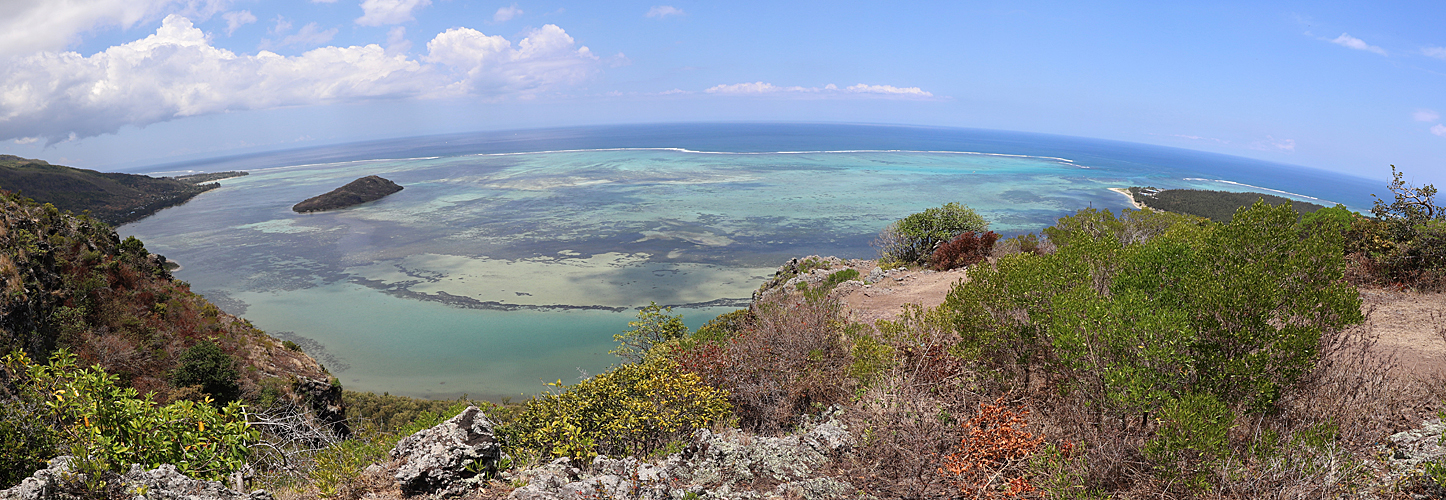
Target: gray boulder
pixel 442 457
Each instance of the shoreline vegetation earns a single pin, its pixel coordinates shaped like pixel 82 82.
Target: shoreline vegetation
pixel 1148 354
pixel 1218 206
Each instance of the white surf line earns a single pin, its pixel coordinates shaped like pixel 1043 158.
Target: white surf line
pixel 822 151
pixel 1223 181
pixel 304 165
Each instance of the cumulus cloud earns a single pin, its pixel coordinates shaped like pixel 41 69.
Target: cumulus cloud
pixel 1426 115
pixel 481 64
pixel 758 88
pixel 662 11
pixel 237 19
pixel 1346 40
pixel 384 12
pixel 176 73
pixel 1436 52
pixel 1439 129
pixel 505 14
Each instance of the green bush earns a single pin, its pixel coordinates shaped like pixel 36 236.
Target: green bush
pixel 1192 438
pixel 632 409
pixel 1135 312
pixel 207 366
pixel 910 240
pixel 114 427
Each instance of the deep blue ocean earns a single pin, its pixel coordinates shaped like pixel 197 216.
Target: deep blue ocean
pixel 511 258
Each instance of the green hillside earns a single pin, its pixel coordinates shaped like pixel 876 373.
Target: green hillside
pixel 113 198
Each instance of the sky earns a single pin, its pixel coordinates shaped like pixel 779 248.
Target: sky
pixel 1348 87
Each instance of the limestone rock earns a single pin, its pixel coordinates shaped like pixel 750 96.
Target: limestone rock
pixel 439 458
pixel 56 482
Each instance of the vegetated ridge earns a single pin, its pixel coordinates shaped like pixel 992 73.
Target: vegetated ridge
pixel 114 198
pixel 1218 206
pixel 73 290
pixel 369 188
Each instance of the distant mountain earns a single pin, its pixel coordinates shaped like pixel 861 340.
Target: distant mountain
pixel 111 197
pixel 369 188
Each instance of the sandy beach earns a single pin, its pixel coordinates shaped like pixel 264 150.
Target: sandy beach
pixel 1126 192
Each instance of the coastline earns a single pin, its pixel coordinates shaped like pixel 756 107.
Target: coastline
pixel 1126 192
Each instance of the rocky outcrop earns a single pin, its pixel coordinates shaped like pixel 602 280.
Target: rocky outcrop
pixel 369 188
pixel 324 399
pixel 725 466
pixel 57 482
pixel 448 458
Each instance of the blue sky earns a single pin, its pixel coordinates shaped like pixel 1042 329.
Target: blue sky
pixel 111 83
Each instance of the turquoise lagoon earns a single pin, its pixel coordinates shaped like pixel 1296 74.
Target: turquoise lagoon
pixel 491 273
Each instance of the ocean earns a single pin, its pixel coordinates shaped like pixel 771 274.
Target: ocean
pixel 512 258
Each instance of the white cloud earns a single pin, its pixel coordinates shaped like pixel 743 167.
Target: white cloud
pixel 282 26
pixel 28 26
pixel 237 19
pixel 505 14
pixel 662 11
pixel 1439 129
pixel 483 64
pixel 888 90
pixel 384 12
pixel 27 140
pixel 308 36
pixel 176 73
pixel 397 42
pixel 1436 52
pixel 862 90
pixel 1346 40
pixel 1270 143
pixel 1426 115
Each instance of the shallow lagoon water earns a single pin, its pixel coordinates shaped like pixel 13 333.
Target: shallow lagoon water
pixel 492 273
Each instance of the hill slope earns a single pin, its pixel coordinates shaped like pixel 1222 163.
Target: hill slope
pixel 111 197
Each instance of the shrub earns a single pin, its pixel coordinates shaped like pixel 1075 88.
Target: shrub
pixel 1024 243
pixel 1132 313
pixel 654 326
pixel 789 359
pixel 994 454
pixel 1192 438
pixel 913 238
pixel 113 427
pixel 207 366
pixel 631 409
pixel 965 250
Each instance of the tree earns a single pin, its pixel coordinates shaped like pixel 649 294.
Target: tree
pixel 654 326
pixel 911 239
pixel 207 366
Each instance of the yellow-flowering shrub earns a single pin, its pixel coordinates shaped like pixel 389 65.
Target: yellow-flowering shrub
pixel 631 409
pixel 113 427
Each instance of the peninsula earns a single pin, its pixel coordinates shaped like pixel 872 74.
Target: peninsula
pixel 369 188
pixel 113 198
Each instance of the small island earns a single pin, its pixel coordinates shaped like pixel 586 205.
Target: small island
pixel 369 188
